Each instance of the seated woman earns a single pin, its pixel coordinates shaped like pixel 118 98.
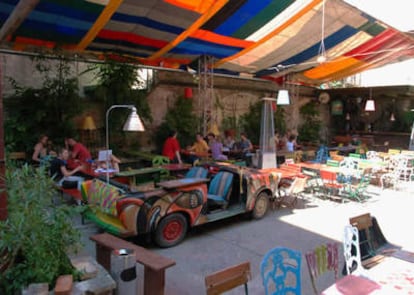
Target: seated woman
pixel 113 163
pixel 216 148
pixel 61 174
pixel 42 153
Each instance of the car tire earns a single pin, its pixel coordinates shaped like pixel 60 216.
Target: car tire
pixel 171 230
pixel 261 206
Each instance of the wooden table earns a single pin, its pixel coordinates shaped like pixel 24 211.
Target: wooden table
pixel 150 172
pixel 178 183
pixel 177 169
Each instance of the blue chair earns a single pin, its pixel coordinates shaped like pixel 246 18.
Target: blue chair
pixel 322 155
pixel 220 188
pixel 280 270
pixel 197 172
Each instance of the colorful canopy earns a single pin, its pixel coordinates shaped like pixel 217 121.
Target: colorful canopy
pixel 260 38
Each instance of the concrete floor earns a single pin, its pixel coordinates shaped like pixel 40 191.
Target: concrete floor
pixel 212 247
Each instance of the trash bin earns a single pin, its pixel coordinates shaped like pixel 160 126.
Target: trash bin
pixel 123 271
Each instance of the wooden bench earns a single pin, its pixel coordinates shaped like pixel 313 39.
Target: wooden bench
pixel 154 264
pixel 228 278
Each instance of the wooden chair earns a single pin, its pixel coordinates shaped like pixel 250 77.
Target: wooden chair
pixel 228 278
pixel 373 246
pixel 289 195
pixel 280 270
pixel 321 260
pixel 331 186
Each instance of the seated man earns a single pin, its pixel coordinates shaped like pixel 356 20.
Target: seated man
pixel 61 174
pixel 79 153
pixel 199 149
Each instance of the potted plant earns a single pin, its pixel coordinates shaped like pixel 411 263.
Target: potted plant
pixel 38 235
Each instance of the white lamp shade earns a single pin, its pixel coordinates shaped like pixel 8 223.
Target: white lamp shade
pixel 133 123
pixel 370 105
pixel 392 118
pixel 283 97
pixel 348 117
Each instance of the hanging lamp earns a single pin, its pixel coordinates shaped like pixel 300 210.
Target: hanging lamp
pixel 370 104
pixel 322 51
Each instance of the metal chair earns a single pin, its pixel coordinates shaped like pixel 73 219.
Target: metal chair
pixel 280 271
pixel 322 259
pixel 289 195
pixel 352 252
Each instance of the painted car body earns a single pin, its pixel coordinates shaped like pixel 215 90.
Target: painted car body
pixel 126 213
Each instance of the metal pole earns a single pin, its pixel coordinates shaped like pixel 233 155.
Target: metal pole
pixel 107 134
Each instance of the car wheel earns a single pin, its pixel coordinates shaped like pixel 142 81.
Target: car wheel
pixel 171 230
pixel 261 206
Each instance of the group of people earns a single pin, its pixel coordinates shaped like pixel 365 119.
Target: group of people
pixel 66 165
pixel 204 146
pixel 287 142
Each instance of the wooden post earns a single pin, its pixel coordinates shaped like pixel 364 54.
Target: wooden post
pixel 3 194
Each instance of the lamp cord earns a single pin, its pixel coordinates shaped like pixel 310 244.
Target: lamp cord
pixel 322 50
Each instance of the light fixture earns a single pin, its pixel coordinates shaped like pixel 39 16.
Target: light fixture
pixel 133 123
pixel 348 117
pixel 322 52
pixel 283 97
pixel 88 123
pixel 392 117
pixel 370 104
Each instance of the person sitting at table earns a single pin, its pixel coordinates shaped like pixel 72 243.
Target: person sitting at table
pixel 198 149
pixel 216 148
pixel 171 148
pixel 291 144
pixel 228 142
pixel 41 154
pixel 61 174
pixel 113 163
pixel 246 148
pixel 79 153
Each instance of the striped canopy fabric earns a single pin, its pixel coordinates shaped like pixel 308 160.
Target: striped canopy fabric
pixel 266 39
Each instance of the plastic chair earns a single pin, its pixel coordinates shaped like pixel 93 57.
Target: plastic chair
pixel 158 161
pixel 280 270
pixel 220 188
pixel 197 172
pixel 322 155
pixel 321 260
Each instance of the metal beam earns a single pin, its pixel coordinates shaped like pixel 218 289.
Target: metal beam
pixel 19 14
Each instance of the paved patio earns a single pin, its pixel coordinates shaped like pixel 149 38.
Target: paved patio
pixel 209 248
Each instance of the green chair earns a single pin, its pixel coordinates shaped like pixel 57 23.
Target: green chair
pixel 158 161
